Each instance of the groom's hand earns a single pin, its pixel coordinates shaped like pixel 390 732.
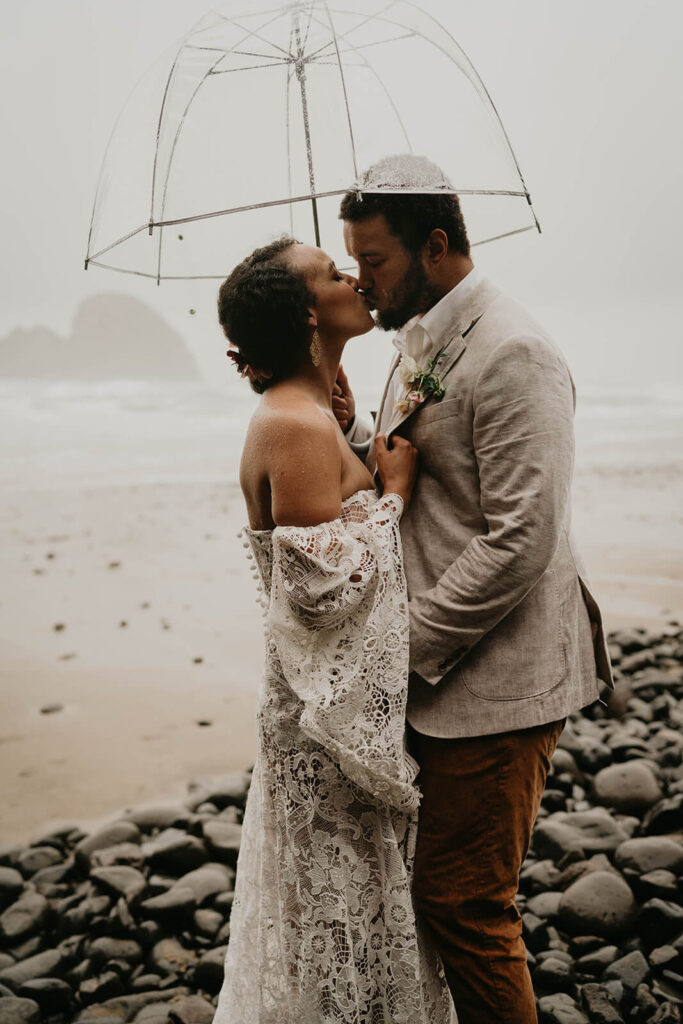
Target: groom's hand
pixel 343 403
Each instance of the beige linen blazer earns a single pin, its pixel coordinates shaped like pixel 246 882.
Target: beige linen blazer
pixel 500 608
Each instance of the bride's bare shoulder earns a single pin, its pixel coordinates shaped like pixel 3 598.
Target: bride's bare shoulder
pixel 287 421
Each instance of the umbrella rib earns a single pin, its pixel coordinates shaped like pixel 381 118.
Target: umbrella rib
pixel 180 127
pixel 508 234
pixel 119 241
pixel 346 98
pixel 364 20
pixel 386 92
pixel 250 206
pixel 255 32
pixel 163 277
pixel 290 73
pixel 250 67
pixel 227 53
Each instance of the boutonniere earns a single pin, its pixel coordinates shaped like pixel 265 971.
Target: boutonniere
pixel 420 383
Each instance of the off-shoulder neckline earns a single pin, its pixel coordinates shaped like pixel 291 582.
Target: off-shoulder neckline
pixel 345 501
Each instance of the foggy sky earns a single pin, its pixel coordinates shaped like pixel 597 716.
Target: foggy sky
pixel 590 94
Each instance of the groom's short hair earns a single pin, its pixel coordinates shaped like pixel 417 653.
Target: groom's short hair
pixel 412 216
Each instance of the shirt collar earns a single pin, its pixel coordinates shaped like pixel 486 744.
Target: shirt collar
pixel 419 335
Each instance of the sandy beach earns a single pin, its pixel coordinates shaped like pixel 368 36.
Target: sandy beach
pixel 131 637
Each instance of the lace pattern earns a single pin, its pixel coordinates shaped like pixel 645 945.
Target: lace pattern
pixel 322 926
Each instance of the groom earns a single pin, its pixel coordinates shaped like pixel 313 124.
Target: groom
pixel 506 639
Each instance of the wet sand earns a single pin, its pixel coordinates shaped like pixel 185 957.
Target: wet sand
pixel 131 608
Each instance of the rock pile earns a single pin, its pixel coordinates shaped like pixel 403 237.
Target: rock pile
pixel 131 923
pixel 601 891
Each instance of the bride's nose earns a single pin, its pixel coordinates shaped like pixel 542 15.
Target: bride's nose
pixel 353 281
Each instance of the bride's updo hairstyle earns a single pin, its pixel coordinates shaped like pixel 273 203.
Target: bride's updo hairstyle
pixel 263 310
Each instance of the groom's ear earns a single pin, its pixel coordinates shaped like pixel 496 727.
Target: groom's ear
pixel 437 245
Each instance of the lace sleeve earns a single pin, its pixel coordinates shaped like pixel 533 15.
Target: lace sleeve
pixel 338 617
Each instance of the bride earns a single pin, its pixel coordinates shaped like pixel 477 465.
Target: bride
pixel 322 927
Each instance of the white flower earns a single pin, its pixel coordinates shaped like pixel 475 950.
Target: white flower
pixel 408 368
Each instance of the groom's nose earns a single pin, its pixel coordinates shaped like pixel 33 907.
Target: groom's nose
pixel 365 279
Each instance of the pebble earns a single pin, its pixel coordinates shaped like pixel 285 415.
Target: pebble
pixel 19 1011
pixel 24 917
pixel 631 786
pixel 631 970
pixel 599 903
pixel 121 880
pixel 647 854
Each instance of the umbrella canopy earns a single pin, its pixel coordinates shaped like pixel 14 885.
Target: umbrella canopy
pixel 265 113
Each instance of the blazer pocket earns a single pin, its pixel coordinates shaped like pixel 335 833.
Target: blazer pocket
pixel 524 655
pixel 439 410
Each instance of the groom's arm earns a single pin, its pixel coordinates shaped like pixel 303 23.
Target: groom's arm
pixel 356 430
pixel 524 447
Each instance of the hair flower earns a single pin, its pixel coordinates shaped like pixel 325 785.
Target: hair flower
pixel 245 369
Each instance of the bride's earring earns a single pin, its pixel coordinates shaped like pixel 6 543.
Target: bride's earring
pixel 315 350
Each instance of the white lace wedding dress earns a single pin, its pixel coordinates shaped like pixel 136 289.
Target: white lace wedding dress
pixel 322 929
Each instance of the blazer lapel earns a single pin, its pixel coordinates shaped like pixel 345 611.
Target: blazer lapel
pixel 464 318
pixel 370 460
pixel 455 349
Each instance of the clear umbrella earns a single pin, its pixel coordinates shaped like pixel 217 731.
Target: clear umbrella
pixel 265 113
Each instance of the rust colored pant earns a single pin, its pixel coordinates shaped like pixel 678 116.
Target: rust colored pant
pixel 480 800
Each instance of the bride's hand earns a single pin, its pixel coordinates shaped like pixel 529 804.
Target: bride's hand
pixel 397 466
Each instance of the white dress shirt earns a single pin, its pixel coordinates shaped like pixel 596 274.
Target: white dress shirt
pixel 422 336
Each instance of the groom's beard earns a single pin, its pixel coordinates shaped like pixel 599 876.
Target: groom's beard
pixel 411 295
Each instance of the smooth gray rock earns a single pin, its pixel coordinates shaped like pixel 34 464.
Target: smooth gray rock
pixel 207 922
pixel 658 921
pixel 19 1011
pixel 155 1013
pixel 129 854
pixel 121 880
pixel 222 792
pixel 190 890
pixel 599 903
pixel 597 960
pixel 223 838
pixel 52 994
pixel 560 1009
pixel 554 975
pixel 665 817
pixel 208 973
pixel 125 1007
pixel 102 987
pixel 11 884
pixel 631 970
pixel 545 905
pixel 111 835
pixel 650 853
pixel 539 876
pixel 664 956
pixel 34 858
pixel 24 917
pixel 170 957
pixel 628 787
pixel 192 1010
pixel 175 851
pixel 660 883
pixel 49 963
pixel 592 831
pixel 151 816
pixel 105 948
